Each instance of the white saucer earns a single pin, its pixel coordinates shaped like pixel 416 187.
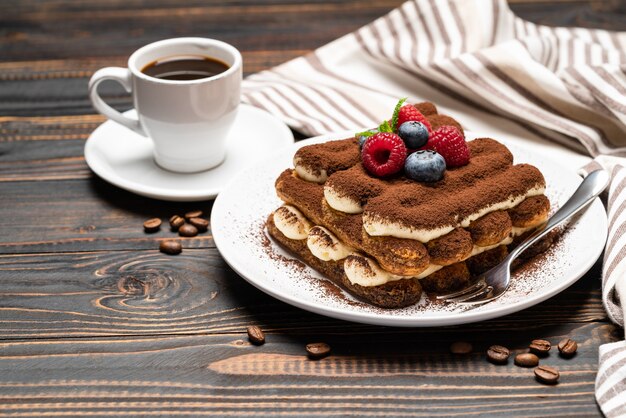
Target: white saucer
pixel 124 158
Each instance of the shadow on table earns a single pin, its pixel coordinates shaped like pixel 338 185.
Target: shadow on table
pixel 120 199
pixel 576 313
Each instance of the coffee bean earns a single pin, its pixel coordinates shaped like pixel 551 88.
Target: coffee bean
pixel 567 347
pixel 498 354
pixel 461 347
pixel 526 360
pixel 187 230
pixel 193 214
pixel 547 374
pixel 317 350
pixel 256 335
pixel 176 222
pixel 540 347
pixel 152 225
pixel 201 224
pixel 170 247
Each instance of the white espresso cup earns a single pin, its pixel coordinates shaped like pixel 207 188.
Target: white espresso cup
pixel 187 120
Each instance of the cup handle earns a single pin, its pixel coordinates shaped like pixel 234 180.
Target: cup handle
pixel 122 76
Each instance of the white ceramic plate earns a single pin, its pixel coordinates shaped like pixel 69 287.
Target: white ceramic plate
pixel 237 223
pixel 124 158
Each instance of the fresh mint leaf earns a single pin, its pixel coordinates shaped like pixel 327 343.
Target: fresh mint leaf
pixel 396 111
pixel 385 127
pixel 366 134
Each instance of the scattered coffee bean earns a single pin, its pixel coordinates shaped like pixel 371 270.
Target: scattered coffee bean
pixel 498 354
pixel 187 230
pixel 540 347
pixel 176 222
pixel 193 214
pixel 547 374
pixel 201 224
pixel 567 347
pixel 317 350
pixel 526 360
pixel 152 225
pixel 461 347
pixel 170 247
pixel 256 335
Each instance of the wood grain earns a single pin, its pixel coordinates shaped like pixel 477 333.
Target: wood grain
pixel 96 294
pixel 605 14
pixel 84 216
pixel 254 25
pixel 59 87
pixel 225 375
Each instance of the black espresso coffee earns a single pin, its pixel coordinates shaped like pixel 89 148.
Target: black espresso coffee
pixel 185 67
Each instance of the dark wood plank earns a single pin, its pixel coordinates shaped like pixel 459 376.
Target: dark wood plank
pixel 57 216
pixel 35 32
pixel 57 48
pixel 43 160
pixel 59 87
pixel 51 69
pixel 368 374
pixel 46 128
pixel 93 294
pixel 605 14
pixel 79 39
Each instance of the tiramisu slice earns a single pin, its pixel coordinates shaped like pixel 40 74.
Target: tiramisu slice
pixel 406 207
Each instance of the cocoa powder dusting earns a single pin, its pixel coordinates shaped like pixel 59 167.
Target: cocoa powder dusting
pixel 488 178
pixel 461 193
pixel 331 290
pixel 268 249
pixel 426 108
pixel 437 121
pixel 356 184
pixel 528 277
pixel 528 209
pixel 301 271
pixel 330 156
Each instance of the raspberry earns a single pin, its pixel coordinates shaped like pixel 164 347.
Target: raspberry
pixel 410 113
pixel 449 142
pixel 383 154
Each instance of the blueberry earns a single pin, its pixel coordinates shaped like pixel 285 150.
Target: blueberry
pixel 363 138
pixel 414 134
pixel 425 166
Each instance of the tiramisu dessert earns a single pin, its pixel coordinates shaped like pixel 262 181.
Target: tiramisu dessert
pixel 405 207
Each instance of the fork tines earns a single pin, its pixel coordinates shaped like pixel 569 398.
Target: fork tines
pixel 478 289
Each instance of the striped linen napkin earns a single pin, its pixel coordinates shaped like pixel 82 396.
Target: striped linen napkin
pixel 496 73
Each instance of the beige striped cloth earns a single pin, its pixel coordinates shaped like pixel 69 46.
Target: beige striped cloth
pixel 541 86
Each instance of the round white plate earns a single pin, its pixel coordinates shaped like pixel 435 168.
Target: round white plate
pixel 237 223
pixel 124 158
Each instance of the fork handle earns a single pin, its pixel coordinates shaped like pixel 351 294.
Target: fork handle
pixel 589 189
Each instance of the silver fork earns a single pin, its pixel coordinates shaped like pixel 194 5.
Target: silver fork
pixel 494 282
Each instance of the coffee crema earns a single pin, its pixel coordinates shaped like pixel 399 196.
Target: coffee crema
pixel 185 67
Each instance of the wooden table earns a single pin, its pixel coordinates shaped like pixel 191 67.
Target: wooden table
pixel 95 321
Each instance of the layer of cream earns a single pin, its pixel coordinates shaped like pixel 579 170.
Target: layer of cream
pixel 326 246
pixel 341 203
pixel 308 174
pixel 376 226
pixel 292 223
pixel 357 273
pixel 360 269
